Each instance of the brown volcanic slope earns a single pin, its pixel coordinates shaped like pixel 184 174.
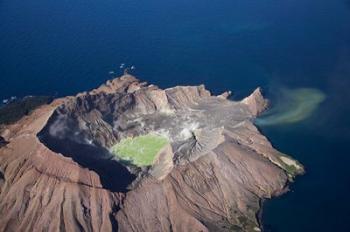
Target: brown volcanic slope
pixel 57 174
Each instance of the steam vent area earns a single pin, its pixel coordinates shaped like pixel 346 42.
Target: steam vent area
pixel 127 131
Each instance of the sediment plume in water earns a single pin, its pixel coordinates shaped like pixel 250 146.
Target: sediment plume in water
pixel 291 106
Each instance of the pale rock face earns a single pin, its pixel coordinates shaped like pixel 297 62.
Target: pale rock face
pixel 163 163
pixel 183 96
pixel 56 172
pixel 256 102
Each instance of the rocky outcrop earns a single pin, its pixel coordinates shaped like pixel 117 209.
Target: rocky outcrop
pixel 57 174
pixel 256 102
pixel 163 163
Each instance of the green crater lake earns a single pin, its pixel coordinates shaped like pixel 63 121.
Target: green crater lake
pixel 141 150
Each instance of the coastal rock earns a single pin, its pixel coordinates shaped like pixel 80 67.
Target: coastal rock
pixel 256 102
pixel 57 172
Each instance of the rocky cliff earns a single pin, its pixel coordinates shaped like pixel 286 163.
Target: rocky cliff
pixel 57 172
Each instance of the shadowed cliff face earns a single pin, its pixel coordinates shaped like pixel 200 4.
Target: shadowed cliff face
pixel 2 142
pixel 212 177
pixel 114 176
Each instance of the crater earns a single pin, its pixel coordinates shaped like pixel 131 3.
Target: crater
pixel 84 129
pixel 95 129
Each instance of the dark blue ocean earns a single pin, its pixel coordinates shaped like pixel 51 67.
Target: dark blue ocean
pixel 50 47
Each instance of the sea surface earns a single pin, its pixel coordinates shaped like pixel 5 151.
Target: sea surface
pixel 50 47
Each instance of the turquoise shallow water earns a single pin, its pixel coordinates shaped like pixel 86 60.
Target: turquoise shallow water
pixel 62 47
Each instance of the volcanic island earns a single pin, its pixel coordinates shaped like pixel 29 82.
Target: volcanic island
pixel 129 156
